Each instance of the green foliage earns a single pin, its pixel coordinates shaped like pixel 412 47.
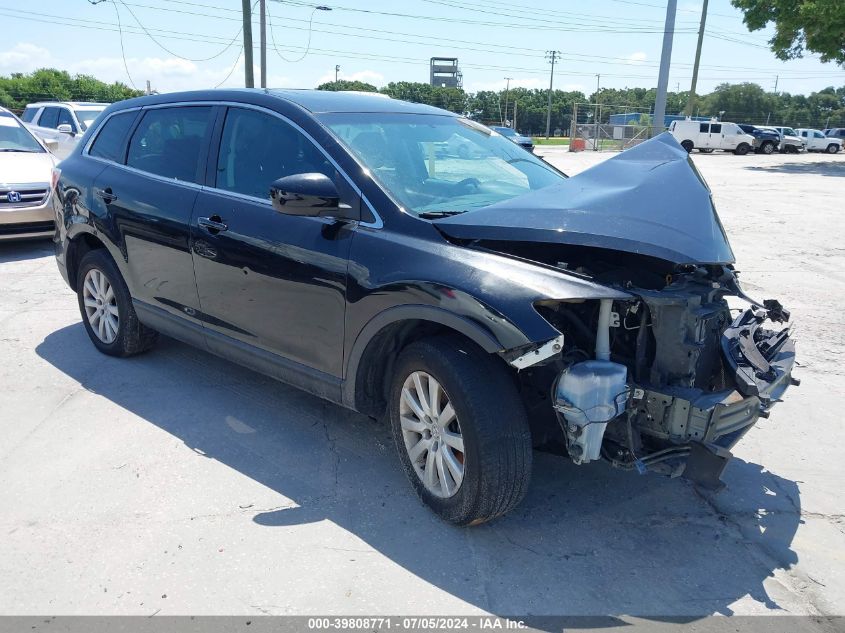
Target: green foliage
pixel 48 84
pixel 817 26
pixel 343 84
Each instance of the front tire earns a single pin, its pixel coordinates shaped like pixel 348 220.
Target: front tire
pixel 460 429
pixel 106 308
pixel 742 149
pixel 767 148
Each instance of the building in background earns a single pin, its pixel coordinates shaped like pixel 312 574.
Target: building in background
pixel 445 72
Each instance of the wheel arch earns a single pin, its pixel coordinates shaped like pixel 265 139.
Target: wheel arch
pixel 379 343
pixel 77 247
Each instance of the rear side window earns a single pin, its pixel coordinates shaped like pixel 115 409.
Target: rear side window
pixel 29 114
pixel 49 118
pixel 168 142
pixel 111 140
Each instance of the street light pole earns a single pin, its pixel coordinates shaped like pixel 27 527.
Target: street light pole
pixel 691 99
pixel 665 61
pixel 249 79
pixel 263 36
pixel 336 71
pixel 507 91
pixel 552 57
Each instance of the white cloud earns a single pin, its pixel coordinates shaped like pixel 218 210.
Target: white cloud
pixel 518 82
pixel 24 57
pixel 573 88
pixel 367 76
pixel 635 59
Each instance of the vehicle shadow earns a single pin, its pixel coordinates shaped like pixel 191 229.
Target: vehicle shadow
pixel 828 168
pixel 28 249
pixel 587 540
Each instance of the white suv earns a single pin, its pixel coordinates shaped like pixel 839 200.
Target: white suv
pixel 815 141
pixel 63 121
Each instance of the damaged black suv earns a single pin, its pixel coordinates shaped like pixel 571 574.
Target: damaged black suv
pixel 480 300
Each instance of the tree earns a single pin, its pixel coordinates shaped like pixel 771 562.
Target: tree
pixel 344 84
pixel 50 84
pixel 817 26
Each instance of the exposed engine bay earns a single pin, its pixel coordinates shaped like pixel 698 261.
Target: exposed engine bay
pixel 667 381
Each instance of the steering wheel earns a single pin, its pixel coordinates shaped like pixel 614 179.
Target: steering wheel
pixel 470 185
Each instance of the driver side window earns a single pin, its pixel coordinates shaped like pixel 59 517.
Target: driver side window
pixel 257 148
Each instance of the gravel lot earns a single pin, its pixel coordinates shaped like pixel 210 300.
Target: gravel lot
pixel 178 483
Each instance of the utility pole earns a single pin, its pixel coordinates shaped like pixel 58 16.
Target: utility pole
pixel 552 57
pixel 776 83
pixel 249 79
pixel 336 71
pixel 513 121
pixel 596 133
pixel 507 91
pixel 665 60
pixel 691 99
pixel 263 25
pixel 149 88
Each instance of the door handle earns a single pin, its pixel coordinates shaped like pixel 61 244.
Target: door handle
pixel 106 194
pixel 213 225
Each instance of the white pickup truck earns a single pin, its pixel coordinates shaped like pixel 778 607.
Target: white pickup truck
pixel 707 136
pixel 815 141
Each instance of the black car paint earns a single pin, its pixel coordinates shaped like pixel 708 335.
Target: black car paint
pixel 360 277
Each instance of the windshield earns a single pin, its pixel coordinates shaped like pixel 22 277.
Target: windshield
pixel 14 137
pixel 87 117
pixel 435 165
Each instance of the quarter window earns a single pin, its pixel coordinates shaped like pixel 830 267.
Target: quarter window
pixel 716 128
pixel 168 142
pixel 257 148
pixel 111 140
pixel 29 114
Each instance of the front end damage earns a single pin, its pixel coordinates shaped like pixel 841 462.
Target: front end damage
pixel 667 381
pixel 670 378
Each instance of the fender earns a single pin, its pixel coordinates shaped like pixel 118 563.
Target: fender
pixel 483 337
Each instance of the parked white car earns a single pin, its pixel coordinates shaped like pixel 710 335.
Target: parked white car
pixel 26 172
pixel 707 136
pixel 815 141
pixel 63 121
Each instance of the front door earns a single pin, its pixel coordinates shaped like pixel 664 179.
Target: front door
pixel 272 281
pixel 716 139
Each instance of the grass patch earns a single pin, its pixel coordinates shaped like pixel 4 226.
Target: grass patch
pixel 554 140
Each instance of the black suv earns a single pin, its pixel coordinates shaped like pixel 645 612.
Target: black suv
pixel 482 304
pixel 765 141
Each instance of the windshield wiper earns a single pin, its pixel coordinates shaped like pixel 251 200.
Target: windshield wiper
pixel 24 151
pixel 428 215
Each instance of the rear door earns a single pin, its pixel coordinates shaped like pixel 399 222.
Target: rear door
pixel 273 281
pixel 150 199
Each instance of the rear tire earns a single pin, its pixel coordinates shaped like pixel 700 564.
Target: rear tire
pixel 832 148
pixel 106 308
pixel 477 410
pixel 688 145
pixel 742 149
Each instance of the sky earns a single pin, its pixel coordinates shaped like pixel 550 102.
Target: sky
pixel 189 44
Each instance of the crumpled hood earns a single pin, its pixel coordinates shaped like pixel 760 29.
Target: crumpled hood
pixel 649 200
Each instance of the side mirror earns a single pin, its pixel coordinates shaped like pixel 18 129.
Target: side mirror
pixel 65 128
pixel 311 194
